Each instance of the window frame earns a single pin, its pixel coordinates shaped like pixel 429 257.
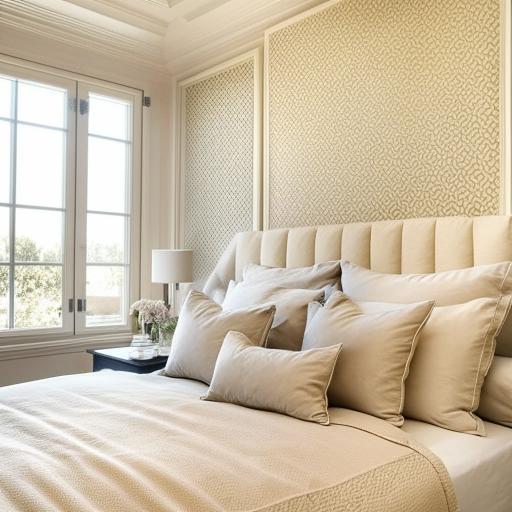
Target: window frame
pixel 75 84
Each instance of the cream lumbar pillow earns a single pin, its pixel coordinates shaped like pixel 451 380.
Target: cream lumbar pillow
pixel 317 276
pixel 378 344
pixel 284 381
pixel 291 309
pixel 496 397
pixel 446 288
pixel 201 329
pixel 453 356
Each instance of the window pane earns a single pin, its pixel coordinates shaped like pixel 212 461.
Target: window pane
pixel 105 238
pixel 5 160
pixel 4 297
pixel 38 296
pixel 42 104
pixel 4 233
pixel 109 117
pixel 40 166
pixel 6 90
pixel 38 235
pixel 107 175
pixel 105 295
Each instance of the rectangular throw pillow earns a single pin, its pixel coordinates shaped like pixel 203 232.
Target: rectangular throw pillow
pixel 288 382
pixel 378 345
pixel 317 276
pixel 453 356
pixel 446 288
pixel 291 309
pixel 201 329
pixel 496 397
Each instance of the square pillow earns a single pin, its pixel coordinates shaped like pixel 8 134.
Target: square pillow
pixel 291 309
pixel 201 329
pixel 452 358
pixel 496 397
pixel 446 288
pixel 288 382
pixel 378 344
pixel 317 276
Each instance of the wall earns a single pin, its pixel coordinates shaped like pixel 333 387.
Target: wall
pixel 383 110
pixel 218 159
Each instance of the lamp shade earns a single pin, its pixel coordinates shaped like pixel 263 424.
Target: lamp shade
pixel 171 266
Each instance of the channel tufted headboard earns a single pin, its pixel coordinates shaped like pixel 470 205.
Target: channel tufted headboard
pixel 397 246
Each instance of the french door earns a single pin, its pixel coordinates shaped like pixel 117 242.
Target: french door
pixel 69 203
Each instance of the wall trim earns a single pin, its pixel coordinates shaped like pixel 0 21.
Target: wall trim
pixel 178 180
pixel 505 101
pixel 62 346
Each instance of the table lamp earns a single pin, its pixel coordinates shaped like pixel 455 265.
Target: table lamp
pixel 171 266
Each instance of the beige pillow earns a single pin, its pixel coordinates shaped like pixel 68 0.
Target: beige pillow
pixel 201 329
pixel 377 349
pixel 317 276
pixel 496 397
pixel 453 356
pixel 292 383
pixel 291 309
pixel 446 288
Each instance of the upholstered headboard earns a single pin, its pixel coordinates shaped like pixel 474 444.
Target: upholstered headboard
pixel 397 246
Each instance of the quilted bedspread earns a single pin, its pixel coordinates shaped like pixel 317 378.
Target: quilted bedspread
pixel 113 441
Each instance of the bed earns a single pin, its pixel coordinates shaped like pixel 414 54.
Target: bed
pixel 115 441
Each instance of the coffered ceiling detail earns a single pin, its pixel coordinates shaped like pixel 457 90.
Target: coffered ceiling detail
pixel 174 36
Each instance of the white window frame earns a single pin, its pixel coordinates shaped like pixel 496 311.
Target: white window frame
pixel 73 326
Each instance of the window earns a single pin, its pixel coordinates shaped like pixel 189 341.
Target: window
pixel 69 207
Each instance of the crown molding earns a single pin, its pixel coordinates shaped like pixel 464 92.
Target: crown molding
pixel 23 15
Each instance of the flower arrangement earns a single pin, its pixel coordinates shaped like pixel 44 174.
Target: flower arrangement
pixel 150 311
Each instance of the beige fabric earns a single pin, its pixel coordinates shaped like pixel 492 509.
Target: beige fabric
pixel 378 347
pixel 446 288
pixel 117 442
pixel 420 245
pixel 201 329
pixel 313 277
pixel 291 309
pixel 292 383
pixel 496 397
pixel 452 358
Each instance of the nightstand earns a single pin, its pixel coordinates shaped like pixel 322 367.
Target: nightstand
pixel 118 359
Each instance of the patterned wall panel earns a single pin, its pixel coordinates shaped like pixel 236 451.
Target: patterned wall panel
pixel 385 109
pixel 218 170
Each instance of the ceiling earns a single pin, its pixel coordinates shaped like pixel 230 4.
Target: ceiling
pixel 171 35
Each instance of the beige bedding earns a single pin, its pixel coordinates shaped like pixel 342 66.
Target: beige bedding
pixel 113 441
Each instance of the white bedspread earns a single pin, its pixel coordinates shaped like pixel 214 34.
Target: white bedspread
pixel 480 467
pixel 120 442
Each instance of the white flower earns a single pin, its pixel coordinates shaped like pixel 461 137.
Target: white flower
pixel 150 310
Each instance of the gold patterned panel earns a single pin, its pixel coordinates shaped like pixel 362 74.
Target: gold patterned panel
pixel 385 109
pixel 218 169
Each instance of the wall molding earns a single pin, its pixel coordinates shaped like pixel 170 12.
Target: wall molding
pixel 62 346
pixel 178 182
pixel 505 198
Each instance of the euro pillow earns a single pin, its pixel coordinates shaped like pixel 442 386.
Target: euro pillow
pixel 317 276
pixel 291 309
pixel 201 329
pixel 378 344
pixel 452 358
pixel 288 382
pixel 496 397
pixel 446 288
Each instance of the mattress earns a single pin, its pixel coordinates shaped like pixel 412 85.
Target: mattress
pixel 480 467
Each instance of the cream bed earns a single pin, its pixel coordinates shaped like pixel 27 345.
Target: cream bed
pixel 114 441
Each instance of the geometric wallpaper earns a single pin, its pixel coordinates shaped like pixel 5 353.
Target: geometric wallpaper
pixel 385 109
pixel 218 169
